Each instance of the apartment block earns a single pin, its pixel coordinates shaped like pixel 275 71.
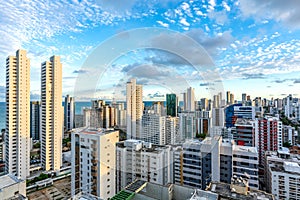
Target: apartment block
pixel 94 162
pixel 283 174
pixel 145 161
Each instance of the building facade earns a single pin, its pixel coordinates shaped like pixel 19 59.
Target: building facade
pixel 17 131
pixel 94 162
pixel 145 161
pixel 134 109
pixel 51 114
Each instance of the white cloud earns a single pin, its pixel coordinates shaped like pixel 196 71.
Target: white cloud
pixel 184 22
pixel 163 24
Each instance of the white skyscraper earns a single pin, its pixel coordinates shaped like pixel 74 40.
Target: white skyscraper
pixel 189 99
pixel 51 114
pixel 17 134
pixel 134 109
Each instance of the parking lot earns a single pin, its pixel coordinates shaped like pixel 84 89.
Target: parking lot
pixel 60 190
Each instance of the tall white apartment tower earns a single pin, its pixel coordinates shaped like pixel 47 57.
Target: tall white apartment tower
pixel 17 134
pixel 189 99
pixel 134 109
pixel 51 114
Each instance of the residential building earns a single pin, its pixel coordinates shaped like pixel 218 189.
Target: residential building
pixel 17 131
pixel 246 132
pixel 69 112
pixel 134 109
pixel 197 162
pixel 218 118
pixel 189 99
pixel 94 162
pixel 51 114
pixel 282 175
pixel 153 128
pixel 145 161
pixel 172 130
pixel 290 135
pixel 187 125
pixel 245 164
pixel 35 107
pixel 269 135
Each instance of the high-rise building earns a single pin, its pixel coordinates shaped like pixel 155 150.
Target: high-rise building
pixel 187 125
pixel 120 114
pixel 218 117
pixel 17 133
pixel 51 114
pixel 35 107
pixel 246 132
pixel 134 109
pixel 94 162
pixel 204 104
pixel 69 113
pixel 244 96
pixel 172 130
pixel 235 111
pixel 289 135
pixel 231 98
pixel 228 97
pixel 191 99
pixel 145 161
pixel 197 163
pixel 153 128
pixel 269 135
pixel 172 103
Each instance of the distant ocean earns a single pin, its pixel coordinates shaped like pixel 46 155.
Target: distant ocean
pixel 78 109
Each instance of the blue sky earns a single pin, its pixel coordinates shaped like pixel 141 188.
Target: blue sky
pixel 254 45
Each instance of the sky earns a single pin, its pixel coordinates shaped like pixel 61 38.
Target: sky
pixel 244 46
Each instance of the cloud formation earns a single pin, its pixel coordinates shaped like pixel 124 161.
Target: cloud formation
pixel 285 12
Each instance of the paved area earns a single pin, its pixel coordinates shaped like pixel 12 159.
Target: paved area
pixel 59 191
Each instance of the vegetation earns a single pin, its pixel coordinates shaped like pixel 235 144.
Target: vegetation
pixel 287 144
pixel 66 141
pixel 42 176
pixel 37 145
pixel 200 135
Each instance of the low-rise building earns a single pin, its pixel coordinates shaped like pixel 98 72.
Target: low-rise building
pixel 237 190
pixel 283 174
pixel 12 188
pixel 142 190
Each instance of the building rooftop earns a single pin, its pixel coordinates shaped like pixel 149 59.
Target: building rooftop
pixel 8 180
pixel 89 130
pixel 225 192
pixel 141 190
pixel 245 149
pixel 283 150
pixel 290 165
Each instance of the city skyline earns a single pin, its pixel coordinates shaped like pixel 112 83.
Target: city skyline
pixel 247 45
